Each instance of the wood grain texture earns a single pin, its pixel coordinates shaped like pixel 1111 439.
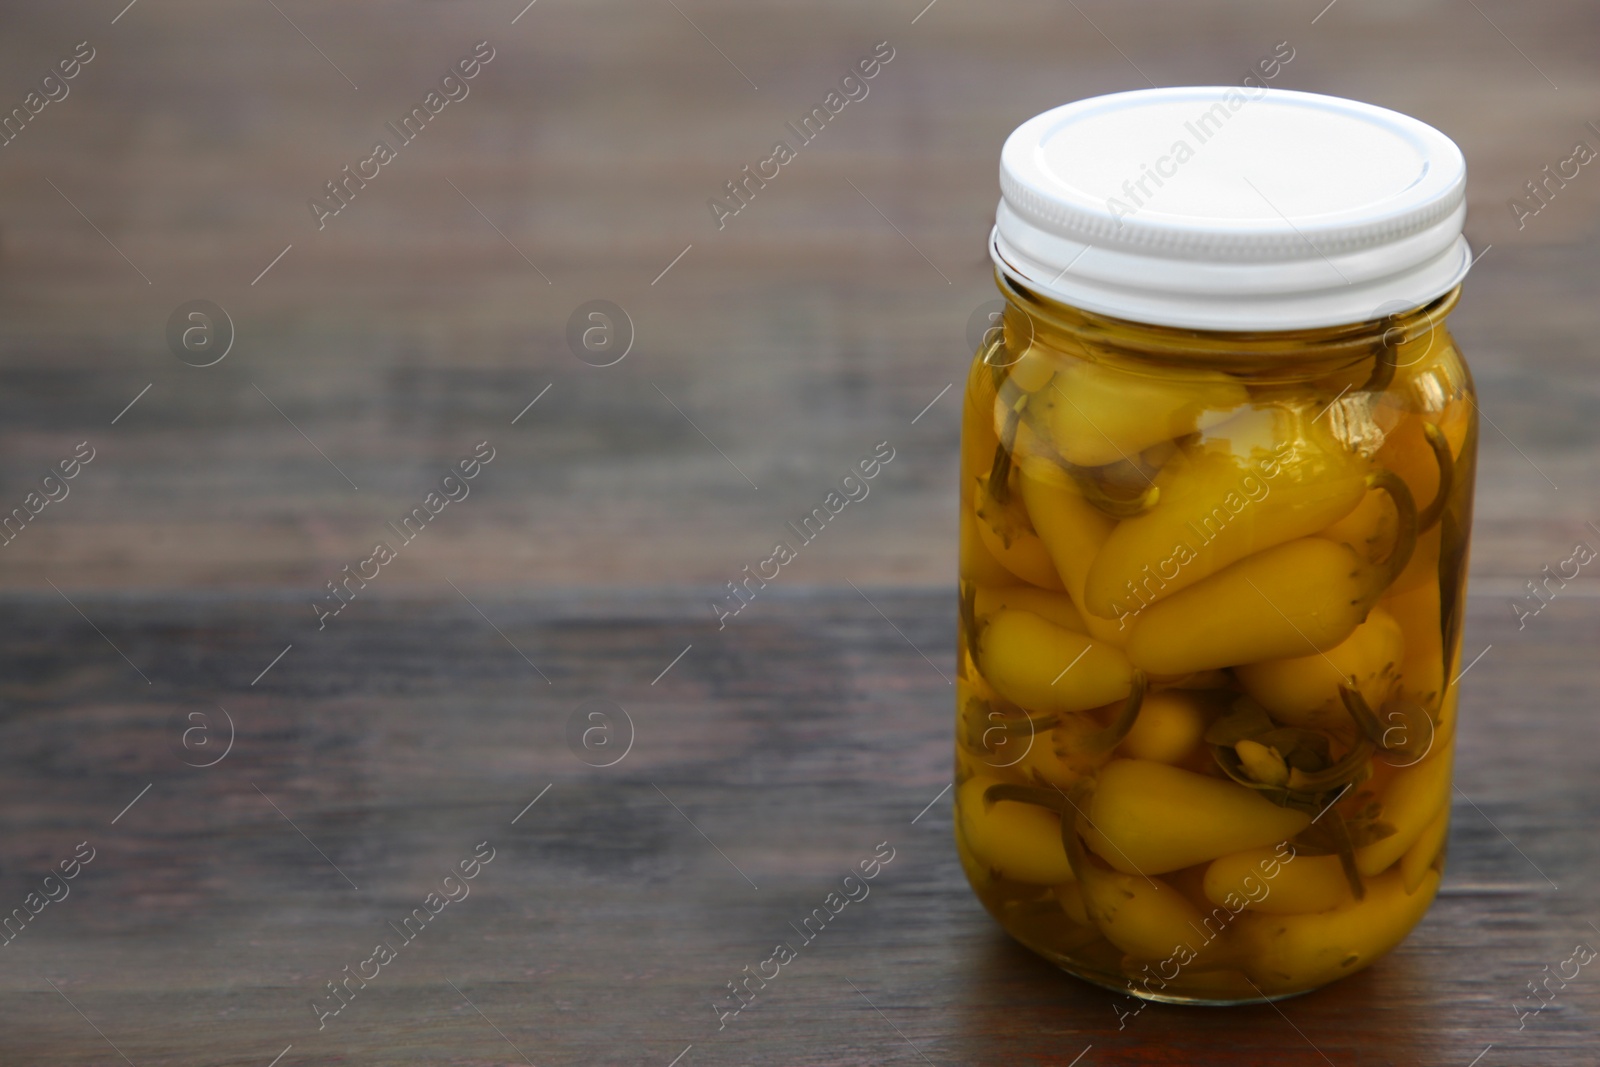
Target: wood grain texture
pixel 796 337
pixel 820 321
pixel 796 741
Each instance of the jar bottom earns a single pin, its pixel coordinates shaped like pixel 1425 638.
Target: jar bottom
pixel 1117 983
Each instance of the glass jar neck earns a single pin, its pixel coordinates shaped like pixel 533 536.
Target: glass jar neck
pixel 1052 322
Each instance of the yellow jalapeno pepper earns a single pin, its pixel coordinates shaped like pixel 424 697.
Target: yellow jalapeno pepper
pixel 1144 917
pixel 1004 532
pixel 1290 953
pixel 1294 599
pixel 1369 529
pixel 1148 818
pixel 1053 607
pixel 1276 881
pixel 1413 799
pixel 1021 841
pixel 1048 668
pixel 1008 535
pixel 1422 671
pixel 1072 530
pixel 978 564
pixel 1096 413
pixel 1419 858
pixel 1168 729
pixel 1304 690
pixel 1267 476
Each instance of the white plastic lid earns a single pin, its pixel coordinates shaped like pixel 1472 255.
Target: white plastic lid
pixel 1227 208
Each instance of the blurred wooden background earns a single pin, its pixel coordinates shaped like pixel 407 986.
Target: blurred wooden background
pixel 795 338
pixel 822 319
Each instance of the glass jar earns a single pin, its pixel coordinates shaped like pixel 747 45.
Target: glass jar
pixel 1213 563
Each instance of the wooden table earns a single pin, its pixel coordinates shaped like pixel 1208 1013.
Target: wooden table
pixel 827 316
pixel 765 764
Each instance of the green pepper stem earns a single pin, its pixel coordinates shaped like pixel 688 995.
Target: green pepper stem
pixel 1427 517
pixel 1124 506
pixel 1337 776
pixel 1383 365
pixel 969 618
pixel 998 372
pixel 1347 853
pixel 1109 737
pixel 1363 714
pixel 1405 536
pixel 1077 858
pixel 1026 794
pixel 1009 726
pixel 1000 473
pixel 1030 726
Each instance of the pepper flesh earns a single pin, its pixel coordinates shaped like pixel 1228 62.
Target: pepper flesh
pixel 1232 494
pixel 1285 953
pixel 1168 729
pixel 1303 884
pixel 1054 607
pixel 1048 668
pixel 1095 413
pixel 1414 797
pixel 1295 599
pixel 1422 671
pixel 1072 530
pixel 1009 537
pixel 1304 690
pixel 1148 818
pixel 1420 857
pixel 1021 841
pixel 1144 917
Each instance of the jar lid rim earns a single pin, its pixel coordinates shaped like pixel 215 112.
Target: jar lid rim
pixel 1224 207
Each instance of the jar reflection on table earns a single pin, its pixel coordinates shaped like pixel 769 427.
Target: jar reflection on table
pixel 1211 598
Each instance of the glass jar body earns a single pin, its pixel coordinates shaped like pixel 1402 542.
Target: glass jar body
pixel 1211 591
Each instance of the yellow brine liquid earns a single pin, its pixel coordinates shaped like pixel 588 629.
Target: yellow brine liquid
pixel 1211 601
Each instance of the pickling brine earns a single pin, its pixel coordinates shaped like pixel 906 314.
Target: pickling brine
pixel 1204 731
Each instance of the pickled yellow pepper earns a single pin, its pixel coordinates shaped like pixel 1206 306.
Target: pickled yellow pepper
pixel 1260 479
pixel 1048 668
pixel 1021 841
pixel 1304 690
pixel 1144 917
pixel 1289 953
pixel 1147 818
pixel 1072 531
pixel 1096 413
pixel 1294 599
